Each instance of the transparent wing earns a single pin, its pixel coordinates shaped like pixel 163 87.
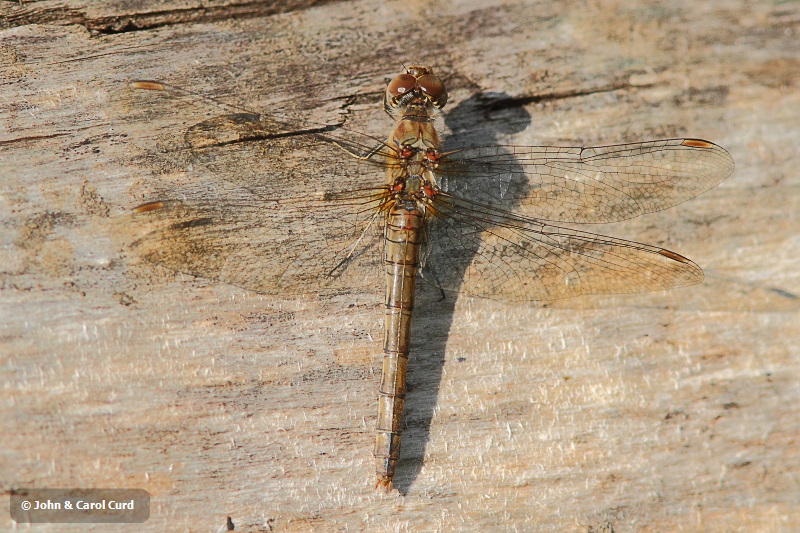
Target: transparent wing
pixel 290 250
pixel 586 185
pixel 283 210
pixel 160 116
pixel 253 202
pixel 492 254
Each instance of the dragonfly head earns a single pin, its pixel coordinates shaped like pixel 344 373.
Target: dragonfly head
pixel 417 86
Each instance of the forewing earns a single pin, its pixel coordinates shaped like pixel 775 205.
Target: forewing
pixel 585 185
pixel 492 255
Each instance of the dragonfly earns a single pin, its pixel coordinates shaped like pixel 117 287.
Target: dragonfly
pixel 481 221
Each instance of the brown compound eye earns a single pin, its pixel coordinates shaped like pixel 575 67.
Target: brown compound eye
pixel 400 85
pixel 433 88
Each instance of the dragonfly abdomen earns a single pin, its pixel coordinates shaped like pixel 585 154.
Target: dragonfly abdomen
pixel 403 235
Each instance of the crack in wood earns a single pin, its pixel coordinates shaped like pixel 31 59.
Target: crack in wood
pixel 34 138
pixel 131 22
pixel 519 101
pixel 280 135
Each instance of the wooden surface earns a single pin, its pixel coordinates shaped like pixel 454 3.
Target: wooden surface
pixel 655 412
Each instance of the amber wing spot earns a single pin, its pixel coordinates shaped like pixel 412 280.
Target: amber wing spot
pixel 150 206
pixel 697 143
pixel 674 256
pixel 147 85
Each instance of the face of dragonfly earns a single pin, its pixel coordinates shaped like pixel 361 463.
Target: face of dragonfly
pixel 414 93
pixel 285 209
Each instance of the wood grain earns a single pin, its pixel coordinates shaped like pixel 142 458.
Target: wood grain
pixel 642 412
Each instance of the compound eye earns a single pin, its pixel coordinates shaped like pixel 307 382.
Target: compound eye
pixel 400 85
pixel 433 87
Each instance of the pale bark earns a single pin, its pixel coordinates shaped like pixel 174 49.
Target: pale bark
pixel 639 412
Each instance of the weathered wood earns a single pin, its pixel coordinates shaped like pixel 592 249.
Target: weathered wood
pixel 640 412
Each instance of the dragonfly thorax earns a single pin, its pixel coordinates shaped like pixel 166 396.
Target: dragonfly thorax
pixel 411 189
pixel 416 160
pixel 416 147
